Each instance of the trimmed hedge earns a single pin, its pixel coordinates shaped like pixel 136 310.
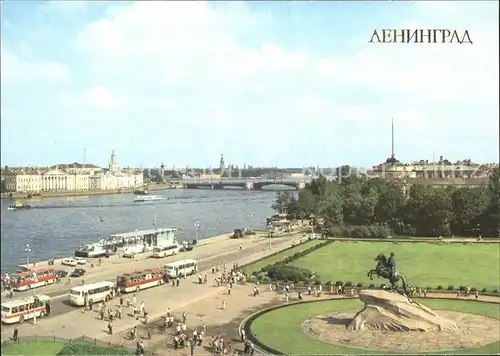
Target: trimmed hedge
pixel 290 273
pixel 280 271
pixel 439 288
pixel 84 348
pixel 296 256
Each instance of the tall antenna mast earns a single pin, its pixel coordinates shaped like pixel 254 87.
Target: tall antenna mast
pixel 392 137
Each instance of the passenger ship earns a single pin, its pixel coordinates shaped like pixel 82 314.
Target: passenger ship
pixel 145 239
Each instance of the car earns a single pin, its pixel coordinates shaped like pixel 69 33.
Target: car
pixel 80 260
pixel 61 273
pixel 77 272
pixel 69 262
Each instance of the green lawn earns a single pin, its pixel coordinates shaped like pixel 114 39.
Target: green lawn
pixel 46 348
pixel 423 264
pixel 280 328
pixel 280 256
pixel 55 348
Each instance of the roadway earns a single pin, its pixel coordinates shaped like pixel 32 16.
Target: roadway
pixel 206 259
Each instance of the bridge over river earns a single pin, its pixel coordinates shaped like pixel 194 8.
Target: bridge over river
pixel 247 184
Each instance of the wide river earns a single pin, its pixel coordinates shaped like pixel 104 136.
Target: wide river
pixel 55 227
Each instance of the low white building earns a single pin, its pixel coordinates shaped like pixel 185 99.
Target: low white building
pixel 74 177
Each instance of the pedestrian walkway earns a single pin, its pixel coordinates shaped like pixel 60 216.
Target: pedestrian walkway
pixel 208 311
pixel 76 323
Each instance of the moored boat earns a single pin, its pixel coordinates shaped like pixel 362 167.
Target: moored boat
pixel 140 198
pixel 19 206
pixel 146 239
pixel 141 192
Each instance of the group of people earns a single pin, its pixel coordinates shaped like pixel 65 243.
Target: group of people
pixel 220 346
pixel 228 277
pixel 6 284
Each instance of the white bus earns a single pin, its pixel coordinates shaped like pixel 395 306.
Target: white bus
pixel 180 268
pixel 92 293
pixel 164 251
pixel 17 311
pixel 131 251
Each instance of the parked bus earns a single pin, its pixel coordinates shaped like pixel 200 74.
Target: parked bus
pixel 17 311
pixel 36 277
pixel 135 281
pixel 164 251
pixel 180 268
pixel 92 293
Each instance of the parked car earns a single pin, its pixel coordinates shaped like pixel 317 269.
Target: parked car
pixel 77 272
pixel 186 246
pixel 80 260
pixel 61 273
pixel 69 262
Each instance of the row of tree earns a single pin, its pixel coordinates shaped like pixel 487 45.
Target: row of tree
pixel 376 203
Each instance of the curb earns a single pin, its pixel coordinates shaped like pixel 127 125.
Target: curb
pixel 246 323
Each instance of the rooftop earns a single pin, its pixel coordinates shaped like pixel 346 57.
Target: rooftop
pixel 142 232
pixel 74 165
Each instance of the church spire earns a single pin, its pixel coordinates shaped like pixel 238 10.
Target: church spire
pixel 112 163
pixel 222 165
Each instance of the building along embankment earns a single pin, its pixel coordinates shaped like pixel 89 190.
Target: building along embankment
pixel 70 322
pixel 44 195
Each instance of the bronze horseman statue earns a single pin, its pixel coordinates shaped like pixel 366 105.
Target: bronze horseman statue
pixel 386 268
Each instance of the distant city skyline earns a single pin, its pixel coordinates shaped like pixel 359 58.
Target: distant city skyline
pixel 287 84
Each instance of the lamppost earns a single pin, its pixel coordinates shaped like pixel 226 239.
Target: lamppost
pixel 196 227
pixel 28 251
pixel 312 226
pixel 35 280
pixel 270 233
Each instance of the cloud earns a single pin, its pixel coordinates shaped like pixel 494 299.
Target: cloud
pixel 238 76
pixel 100 97
pixel 16 69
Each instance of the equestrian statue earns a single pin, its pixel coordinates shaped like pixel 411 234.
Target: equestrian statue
pixel 386 268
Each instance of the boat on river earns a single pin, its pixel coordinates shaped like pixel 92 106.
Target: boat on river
pixel 19 206
pixel 143 191
pixel 121 243
pixel 142 198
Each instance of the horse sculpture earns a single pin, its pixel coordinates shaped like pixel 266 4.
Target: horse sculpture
pixel 383 270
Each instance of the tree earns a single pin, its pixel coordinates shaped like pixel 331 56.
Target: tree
pixel 468 207
pixel 366 205
pixel 318 186
pixel 330 205
pixel 352 201
pixel 307 204
pixel 284 201
pixel 390 204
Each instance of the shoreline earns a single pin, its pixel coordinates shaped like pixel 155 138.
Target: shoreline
pixel 45 195
pixel 112 258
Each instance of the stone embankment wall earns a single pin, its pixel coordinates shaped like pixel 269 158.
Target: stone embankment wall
pixel 90 192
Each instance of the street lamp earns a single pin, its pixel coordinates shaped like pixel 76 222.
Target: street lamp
pixel 28 251
pixel 312 226
pixel 196 227
pixel 35 280
pixel 270 233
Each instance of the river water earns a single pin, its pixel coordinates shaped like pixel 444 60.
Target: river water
pixel 56 227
